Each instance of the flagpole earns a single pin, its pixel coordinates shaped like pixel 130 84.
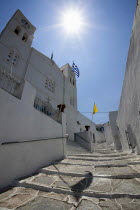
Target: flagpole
pixel 91 118
pixel 92 114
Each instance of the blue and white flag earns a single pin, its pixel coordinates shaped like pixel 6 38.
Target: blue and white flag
pixel 75 69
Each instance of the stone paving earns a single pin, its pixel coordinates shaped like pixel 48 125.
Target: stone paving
pixel 102 180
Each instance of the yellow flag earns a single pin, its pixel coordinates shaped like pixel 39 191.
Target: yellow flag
pixel 95 109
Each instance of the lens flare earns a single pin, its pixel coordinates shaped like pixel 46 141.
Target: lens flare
pixel 72 21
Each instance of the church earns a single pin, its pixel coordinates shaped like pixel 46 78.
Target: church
pixel 38 104
pixel 53 85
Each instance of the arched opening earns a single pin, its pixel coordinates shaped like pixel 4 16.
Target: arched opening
pixel 25 37
pixel 17 30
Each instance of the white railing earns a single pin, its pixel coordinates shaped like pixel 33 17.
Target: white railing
pixel 47 109
pixel 8 82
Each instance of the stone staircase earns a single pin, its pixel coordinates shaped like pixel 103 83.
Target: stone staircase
pixel 103 180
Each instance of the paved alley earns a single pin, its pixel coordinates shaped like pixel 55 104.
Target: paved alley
pixel 102 180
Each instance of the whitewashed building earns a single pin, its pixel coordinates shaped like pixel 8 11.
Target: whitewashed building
pixel 53 85
pixel 33 92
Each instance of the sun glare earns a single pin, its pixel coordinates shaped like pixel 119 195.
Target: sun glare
pixel 72 21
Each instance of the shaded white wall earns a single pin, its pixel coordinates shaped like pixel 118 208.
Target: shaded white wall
pixel 20 121
pixel 115 130
pixel 108 134
pixel 85 139
pixel 128 113
pixel 99 137
pixel 22 159
pixel 112 119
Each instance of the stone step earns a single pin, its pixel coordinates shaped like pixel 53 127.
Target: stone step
pixel 49 172
pixel 90 159
pixel 95 174
pixel 99 156
pixel 84 193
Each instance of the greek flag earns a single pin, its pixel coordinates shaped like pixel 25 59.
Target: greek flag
pixel 75 69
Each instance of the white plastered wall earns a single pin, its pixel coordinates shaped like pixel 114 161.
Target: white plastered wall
pixel 20 122
pixel 129 108
pixel 108 134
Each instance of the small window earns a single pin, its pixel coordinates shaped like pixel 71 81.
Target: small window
pixel 49 85
pixel 15 59
pixel 10 56
pixel 17 30
pixel 25 37
pixel 73 82
pixel 46 83
pixel 53 86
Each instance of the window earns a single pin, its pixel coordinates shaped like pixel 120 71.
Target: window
pixel 17 30
pixel 15 59
pixel 53 86
pixel 25 37
pixel 12 57
pixel 71 101
pixel 25 24
pixel 50 85
pixel 72 81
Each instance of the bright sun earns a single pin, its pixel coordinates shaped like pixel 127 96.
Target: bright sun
pixel 72 21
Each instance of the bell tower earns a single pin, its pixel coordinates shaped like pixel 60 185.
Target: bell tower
pixel 15 45
pixel 70 89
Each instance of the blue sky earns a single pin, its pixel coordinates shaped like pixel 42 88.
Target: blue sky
pixel 100 51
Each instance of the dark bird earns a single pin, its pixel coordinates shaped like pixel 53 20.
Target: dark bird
pixel 82 185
